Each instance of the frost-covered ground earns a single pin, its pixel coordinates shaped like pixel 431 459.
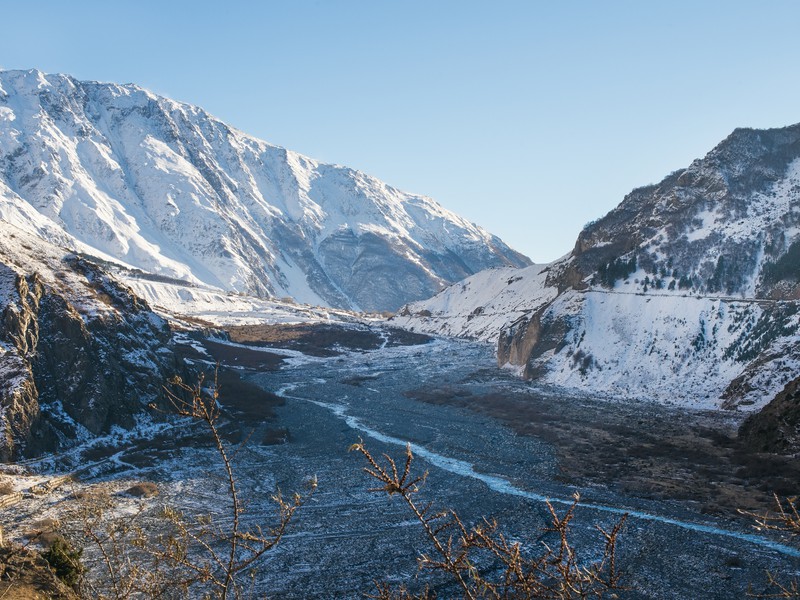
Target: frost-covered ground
pixel 680 348
pixel 345 537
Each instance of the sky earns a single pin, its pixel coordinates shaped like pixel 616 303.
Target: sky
pixel 528 118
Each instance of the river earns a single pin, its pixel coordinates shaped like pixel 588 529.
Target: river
pixel 347 537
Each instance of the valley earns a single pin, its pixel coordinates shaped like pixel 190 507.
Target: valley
pixel 147 247
pixel 493 446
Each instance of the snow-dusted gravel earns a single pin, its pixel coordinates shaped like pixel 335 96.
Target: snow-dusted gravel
pixel 345 537
pixel 476 466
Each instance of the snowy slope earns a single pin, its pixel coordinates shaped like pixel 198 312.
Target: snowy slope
pixel 162 186
pixel 667 347
pixel 685 293
pixel 177 301
pixel 716 224
pixel 482 305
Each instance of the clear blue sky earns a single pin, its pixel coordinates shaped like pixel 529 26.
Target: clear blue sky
pixel 529 118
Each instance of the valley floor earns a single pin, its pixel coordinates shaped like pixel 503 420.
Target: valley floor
pixel 494 447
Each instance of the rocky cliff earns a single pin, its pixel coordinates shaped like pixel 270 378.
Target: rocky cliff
pixel 79 353
pixel 776 428
pixel 685 293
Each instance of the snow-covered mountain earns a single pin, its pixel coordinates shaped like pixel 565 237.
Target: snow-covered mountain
pixel 482 305
pixel 687 292
pixel 120 173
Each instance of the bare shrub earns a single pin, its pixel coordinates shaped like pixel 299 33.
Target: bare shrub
pixel 244 547
pixel 6 487
pixel 43 532
pixel 458 549
pixel 783 518
pixel 178 555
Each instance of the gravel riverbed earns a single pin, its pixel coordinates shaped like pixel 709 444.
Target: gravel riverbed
pixel 493 447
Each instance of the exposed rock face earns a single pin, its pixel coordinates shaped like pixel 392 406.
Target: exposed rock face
pixel 517 343
pixel 777 427
pixel 19 398
pixel 100 370
pixel 78 352
pixel 164 187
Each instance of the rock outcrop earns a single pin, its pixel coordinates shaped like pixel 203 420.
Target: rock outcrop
pixel 79 353
pixel 776 428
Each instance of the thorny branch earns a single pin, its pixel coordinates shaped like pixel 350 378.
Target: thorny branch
pixel 188 555
pixel 244 547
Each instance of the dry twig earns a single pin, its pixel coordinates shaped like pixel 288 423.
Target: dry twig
pixel 785 519
pixel 512 573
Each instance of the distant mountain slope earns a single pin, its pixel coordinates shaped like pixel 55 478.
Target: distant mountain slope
pixel 482 305
pixel 121 173
pixel 686 293
pixel 727 225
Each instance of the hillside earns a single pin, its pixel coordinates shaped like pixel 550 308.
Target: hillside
pixel 685 293
pixel 79 352
pixel 121 173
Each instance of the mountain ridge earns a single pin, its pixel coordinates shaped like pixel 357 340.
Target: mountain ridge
pixel 165 187
pixel 684 293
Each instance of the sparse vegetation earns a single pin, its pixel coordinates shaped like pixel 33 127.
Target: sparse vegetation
pixel 6 487
pixel 180 555
pixel 187 556
pixel 144 489
pixel 786 268
pixel 775 322
pixel 785 519
pixel 219 570
pixel 482 561
pixel 65 560
pixel 177 555
pixel 609 273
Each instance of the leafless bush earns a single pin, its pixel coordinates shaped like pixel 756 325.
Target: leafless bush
pixel 178 555
pixel 245 547
pixel 556 573
pixel 6 487
pixel 143 489
pixel 43 532
pixel 785 519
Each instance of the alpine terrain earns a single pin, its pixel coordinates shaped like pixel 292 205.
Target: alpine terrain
pixel 686 293
pixel 194 361
pixel 113 200
pixel 160 186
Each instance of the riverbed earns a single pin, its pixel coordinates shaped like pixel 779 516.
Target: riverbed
pixel 493 447
pixel 480 467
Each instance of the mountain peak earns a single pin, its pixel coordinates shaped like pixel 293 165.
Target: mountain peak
pixel 164 187
pixel 686 292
